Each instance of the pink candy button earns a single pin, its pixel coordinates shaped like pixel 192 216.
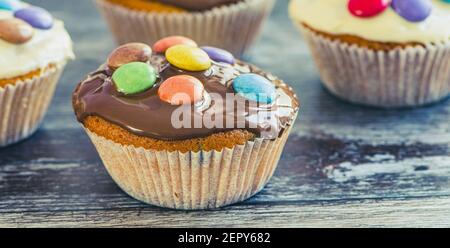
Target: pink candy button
pixel 367 8
pixel 162 45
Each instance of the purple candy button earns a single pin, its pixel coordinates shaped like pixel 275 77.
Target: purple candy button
pixel 36 17
pixel 219 55
pixel 413 10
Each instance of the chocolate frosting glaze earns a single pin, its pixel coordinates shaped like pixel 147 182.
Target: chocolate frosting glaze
pixel 144 114
pixel 198 4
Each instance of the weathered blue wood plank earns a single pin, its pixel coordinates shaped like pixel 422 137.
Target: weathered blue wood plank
pixel 344 165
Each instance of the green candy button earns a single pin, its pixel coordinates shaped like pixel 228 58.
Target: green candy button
pixel 134 77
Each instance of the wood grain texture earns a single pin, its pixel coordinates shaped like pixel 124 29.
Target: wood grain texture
pixel 369 213
pixel 344 165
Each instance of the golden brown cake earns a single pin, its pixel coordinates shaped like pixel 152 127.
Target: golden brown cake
pixel 362 42
pixel 171 6
pixel 217 141
pixel 149 6
pixel 34 74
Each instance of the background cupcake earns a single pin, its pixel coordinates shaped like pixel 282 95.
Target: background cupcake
pixel 170 135
pixel 379 53
pixel 230 24
pixel 34 49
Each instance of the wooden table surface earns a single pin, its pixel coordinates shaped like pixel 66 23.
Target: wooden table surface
pixel 344 165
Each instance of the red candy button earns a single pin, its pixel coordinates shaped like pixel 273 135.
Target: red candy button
pixel 162 45
pixel 367 8
pixel 182 89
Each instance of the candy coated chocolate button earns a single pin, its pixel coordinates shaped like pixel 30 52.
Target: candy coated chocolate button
pixel 367 8
pixel 15 31
pixel 413 10
pixel 181 89
pixel 10 4
pixel 36 17
pixel 162 45
pixel 255 88
pixel 447 1
pixel 188 58
pixel 133 78
pixel 131 52
pixel 219 55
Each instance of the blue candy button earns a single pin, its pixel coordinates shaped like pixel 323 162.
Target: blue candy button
pixel 10 4
pixel 255 88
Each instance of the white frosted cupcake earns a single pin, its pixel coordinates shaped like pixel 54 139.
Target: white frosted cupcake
pixel 34 49
pixel 379 53
pixel 229 24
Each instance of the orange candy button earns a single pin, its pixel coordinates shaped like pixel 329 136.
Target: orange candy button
pixel 182 89
pixel 162 45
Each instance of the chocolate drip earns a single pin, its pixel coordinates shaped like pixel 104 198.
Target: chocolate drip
pixel 195 5
pixel 145 114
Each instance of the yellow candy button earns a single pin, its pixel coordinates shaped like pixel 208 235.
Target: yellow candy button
pixel 188 58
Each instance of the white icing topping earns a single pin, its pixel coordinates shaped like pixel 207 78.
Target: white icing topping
pixel 332 16
pixel 225 73
pixel 46 47
pixel 158 61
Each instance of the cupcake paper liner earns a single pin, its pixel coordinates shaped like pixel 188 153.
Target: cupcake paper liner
pixel 234 27
pixel 24 104
pixel 192 180
pixel 403 77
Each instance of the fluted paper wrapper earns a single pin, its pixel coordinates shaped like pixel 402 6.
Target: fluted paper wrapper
pixel 233 27
pixel 192 180
pixel 403 77
pixel 24 104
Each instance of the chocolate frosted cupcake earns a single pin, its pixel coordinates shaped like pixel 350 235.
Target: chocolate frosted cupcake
pixel 229 24
pixel 185 127
pixel 379 53
pixel 34 49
